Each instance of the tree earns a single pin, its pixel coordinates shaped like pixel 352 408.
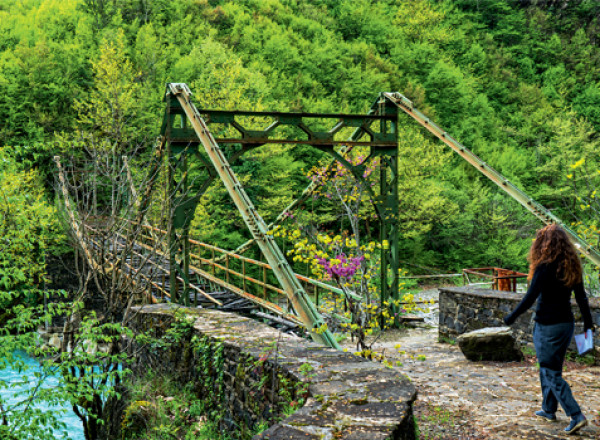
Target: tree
pixel 587 104
pixel 112 114
pixel 105 207
pixel 29 233
pixel 347 258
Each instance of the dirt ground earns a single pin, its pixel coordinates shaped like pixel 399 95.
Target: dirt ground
pixel 460 400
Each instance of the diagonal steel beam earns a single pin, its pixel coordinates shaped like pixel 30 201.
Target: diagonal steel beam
pixel 543 214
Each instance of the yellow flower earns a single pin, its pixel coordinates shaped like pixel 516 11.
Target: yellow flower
pixel 578 163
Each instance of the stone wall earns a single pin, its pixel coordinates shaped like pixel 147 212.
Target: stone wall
pixel 262 370
pixel 463 309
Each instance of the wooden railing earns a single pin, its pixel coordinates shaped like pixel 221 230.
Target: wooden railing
pixel 501 279
pixel 220 268
pixel 252 276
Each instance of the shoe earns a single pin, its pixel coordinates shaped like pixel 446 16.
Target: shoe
pixel 576 424
pixel 551 417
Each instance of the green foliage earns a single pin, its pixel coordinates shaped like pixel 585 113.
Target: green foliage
pixel 433 419
pixel 112 113
pixel 29 233
pixel 587 104
pixel 29 230
pixel 22 416
pixel 589 359
pixel 89 369
pixel 165 404
pixel 528 350
pixel 93 370
pixel 501 76
pixel 161 408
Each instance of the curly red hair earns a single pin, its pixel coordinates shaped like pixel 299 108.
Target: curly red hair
pixel 552 244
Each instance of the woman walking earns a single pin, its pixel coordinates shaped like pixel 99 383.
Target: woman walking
pixel 555 271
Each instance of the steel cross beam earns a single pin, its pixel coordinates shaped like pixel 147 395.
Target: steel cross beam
pixel 376 130
pixel 252 138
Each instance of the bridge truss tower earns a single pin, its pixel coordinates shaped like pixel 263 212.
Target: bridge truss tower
pixel 190 142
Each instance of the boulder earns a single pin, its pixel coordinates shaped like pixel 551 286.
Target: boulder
pixel 490 344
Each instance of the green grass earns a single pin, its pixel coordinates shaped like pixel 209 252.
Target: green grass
pixel 588 359
pixel 447 340
pixel 571 356
pixel 527 350
pixel 434 417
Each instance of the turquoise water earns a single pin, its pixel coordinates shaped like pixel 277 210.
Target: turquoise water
pixel 74 427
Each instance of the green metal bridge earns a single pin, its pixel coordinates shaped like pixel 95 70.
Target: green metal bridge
pixel 169 265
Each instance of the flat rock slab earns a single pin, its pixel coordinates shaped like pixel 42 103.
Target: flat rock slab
pixel 490 344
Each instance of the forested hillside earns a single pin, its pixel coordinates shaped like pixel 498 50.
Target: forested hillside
pixel 516 81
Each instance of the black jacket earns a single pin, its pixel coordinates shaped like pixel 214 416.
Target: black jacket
pixel 554 305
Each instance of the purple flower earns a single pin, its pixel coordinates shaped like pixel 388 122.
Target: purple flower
pixel 343 268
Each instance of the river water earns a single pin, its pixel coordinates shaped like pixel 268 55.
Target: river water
pixel 73 428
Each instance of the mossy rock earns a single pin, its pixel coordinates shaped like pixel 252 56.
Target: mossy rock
pixel 137 417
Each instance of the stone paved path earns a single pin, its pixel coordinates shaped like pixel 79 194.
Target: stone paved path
pixel 459 399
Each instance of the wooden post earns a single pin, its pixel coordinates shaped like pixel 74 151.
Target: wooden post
pixel 264 282
pixel 212 262
pixel 195 293
pixel 227 266
pixel 244 275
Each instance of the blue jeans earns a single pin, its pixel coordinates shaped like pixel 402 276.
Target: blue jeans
pixel 551 342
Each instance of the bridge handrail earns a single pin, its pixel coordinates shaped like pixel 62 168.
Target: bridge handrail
pixel 147 279
pixel 225 254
